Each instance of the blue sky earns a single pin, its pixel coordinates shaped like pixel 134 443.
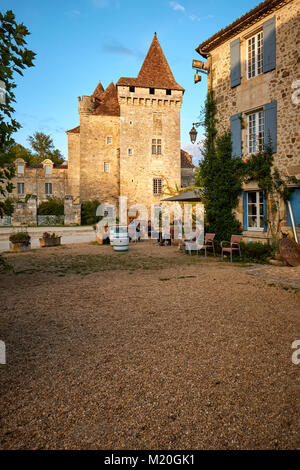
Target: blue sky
pixel 81 42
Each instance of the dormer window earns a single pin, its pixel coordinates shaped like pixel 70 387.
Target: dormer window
pixel 132 89
pixel 152 91
pixel 20 170
pixel 48 170
pixel 168 92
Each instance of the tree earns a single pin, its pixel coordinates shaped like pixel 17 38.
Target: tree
pixel 14 58
pixel 220 176
pixel 43 146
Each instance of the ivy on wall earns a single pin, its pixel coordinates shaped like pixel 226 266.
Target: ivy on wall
pixel 222 178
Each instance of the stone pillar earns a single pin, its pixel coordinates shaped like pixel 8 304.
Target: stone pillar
pixel 25 213
pixel 72 211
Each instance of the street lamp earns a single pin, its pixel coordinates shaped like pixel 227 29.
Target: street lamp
pixel 193 132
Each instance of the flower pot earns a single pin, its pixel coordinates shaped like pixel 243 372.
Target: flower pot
pixel 50 241
pixel 18 247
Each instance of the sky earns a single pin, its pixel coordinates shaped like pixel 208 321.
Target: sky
pixel 81 42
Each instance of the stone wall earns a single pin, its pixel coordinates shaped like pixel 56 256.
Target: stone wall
pixel 25 213
pixel 145 117
pixel 94 151
pixel 272 86
pixel 72 211
pixel 74 165
pixel 34 179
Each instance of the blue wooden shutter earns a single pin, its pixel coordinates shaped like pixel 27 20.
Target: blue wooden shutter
pixel 245 211
pixel 265 212
pixel 269 28
pixel 236 135
pixel 235 63
pixel 270 111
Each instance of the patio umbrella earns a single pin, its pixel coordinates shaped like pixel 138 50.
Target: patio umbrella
pixel 188 196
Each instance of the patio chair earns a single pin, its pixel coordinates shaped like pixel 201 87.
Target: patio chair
pixel 235 242
pixel 208 243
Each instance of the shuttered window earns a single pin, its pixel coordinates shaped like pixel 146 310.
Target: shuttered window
pixel 255 55
pixel 236 135
pixel 269 59
pixel 235 63
pixel 255 132
pixel 254 211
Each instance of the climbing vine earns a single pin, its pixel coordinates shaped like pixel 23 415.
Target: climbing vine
pixel 222 179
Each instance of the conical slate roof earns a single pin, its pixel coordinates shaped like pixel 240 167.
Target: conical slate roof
pixel 155 71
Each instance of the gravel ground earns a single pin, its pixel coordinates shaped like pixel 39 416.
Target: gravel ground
pixel 148 350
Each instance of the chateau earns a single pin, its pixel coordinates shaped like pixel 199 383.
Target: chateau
pixel 128 140
pixel 127 143
pixel 253 71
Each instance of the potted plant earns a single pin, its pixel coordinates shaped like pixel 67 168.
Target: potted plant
pixel 19 241
pixel 49 239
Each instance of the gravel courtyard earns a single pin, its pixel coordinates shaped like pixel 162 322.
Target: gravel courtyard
pixel 152 349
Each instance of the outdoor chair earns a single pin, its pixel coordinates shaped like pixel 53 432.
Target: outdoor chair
pixel 235 245
pixel 208 243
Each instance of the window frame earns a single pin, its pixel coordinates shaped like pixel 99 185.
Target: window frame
pixel 260 218
pixel 49 185
pixel 109 140
pixel 156 146
pixel 157 186
pixel 257 145
pixel 22 185
pixel 106 167
pixel 258 65
pixel 20 173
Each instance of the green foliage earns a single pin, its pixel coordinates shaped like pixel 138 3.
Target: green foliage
pixel 50 235
pixel 6 207
pixel 20 237
pixel 43 147
pixel 52 206
pixel 88 212
pixel 220 177
pixel 255 251
pixel 14 58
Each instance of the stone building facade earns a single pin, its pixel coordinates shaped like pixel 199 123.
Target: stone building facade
pixel 127 143
pixel 42 180
pixel 253 70
pixel 128 140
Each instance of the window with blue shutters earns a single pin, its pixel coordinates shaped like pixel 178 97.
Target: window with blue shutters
pixel 254 211
pixel 270 114
pixel 269 59
pixel 236 135
pixel 255 131
pixel 255 46
pixel 235 62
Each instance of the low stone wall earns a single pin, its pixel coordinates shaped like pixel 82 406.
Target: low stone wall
pixel 5 221
pixel 50 220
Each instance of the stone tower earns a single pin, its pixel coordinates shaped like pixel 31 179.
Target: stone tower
pixel 128 141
